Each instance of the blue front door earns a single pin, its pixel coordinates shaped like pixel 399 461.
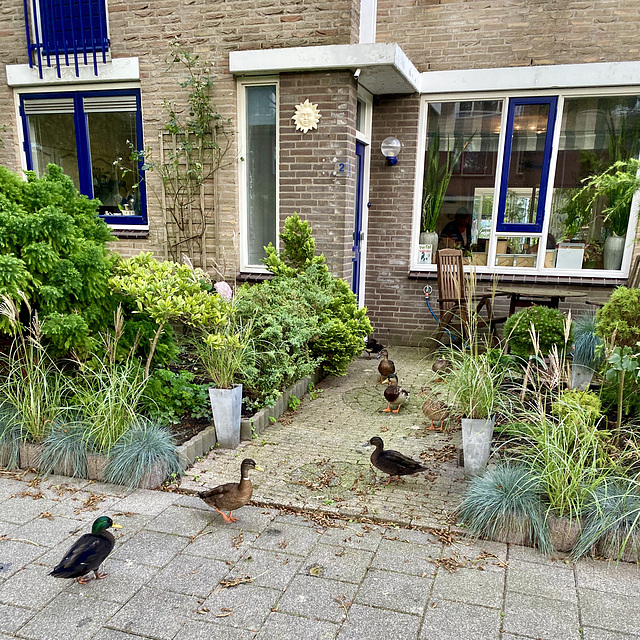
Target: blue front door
pixel 357 219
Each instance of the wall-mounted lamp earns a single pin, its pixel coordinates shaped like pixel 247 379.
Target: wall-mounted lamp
pixel 390 148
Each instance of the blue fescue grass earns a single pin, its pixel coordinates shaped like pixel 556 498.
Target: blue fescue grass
pixel 65 450
pixel 585 340
pixel 611 520
pixel 10 438
pixel 138 450
pixel 507 501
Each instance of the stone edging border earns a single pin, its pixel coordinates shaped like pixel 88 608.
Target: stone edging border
pixel 200 444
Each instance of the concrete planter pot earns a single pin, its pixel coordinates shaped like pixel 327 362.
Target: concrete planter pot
pixel 29 455
pixel 581 376
pixel 613 252
pixel 477 435
pixel 226 406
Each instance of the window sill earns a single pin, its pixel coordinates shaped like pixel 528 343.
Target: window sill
pixel 254 277
pixel 533 278
pixel 131 233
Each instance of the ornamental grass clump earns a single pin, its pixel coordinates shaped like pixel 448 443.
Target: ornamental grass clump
pixel 507 502
pixel 611 520
pixel 65 450
pixel 143 449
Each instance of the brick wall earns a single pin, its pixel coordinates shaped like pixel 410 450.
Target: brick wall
pixel 473 34
pixel 309 183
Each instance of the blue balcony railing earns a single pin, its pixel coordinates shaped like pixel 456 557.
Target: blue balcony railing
pixel 66 32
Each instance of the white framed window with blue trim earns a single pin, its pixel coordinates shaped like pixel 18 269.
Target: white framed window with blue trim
pixel 502 176
pixel 91 135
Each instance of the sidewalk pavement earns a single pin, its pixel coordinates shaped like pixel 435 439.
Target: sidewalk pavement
pixel 178 572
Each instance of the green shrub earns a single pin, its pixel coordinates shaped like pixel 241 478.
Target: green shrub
pixel 342 327
pixel 53 250
pixel 580 408
pixel 620 315
pixel 507 500
pixel 549 324
pixel 169 396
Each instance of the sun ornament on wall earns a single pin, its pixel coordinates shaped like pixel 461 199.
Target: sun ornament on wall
pixel 306 116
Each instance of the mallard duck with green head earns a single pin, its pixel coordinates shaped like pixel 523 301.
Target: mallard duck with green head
pixel 232 495
pixel 88 552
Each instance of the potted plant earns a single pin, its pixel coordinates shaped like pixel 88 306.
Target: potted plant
pixel 225 353
pixel 437 176
pixel 586 356
pixel 474 382
pixel 615 186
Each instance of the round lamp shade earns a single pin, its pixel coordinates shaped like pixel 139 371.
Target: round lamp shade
pixel 390 148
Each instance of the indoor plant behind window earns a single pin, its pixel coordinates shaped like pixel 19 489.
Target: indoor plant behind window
pixel 616 186
pixel 437 176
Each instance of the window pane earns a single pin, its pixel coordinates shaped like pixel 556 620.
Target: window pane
pixel 53 140
pixel 522 252
pixel 526 163
pixel 115 177
pixel 595 132
pixel 261 170
pixel 459 174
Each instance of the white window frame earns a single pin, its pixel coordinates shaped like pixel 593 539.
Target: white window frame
pixel 243 83
pixel 539 269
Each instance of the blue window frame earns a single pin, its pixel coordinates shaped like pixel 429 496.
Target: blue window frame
pixel 525 169
pixel 91 135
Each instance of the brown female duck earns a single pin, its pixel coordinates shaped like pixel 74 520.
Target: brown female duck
pixel 233 495
pixel 435 411
pixel 386 366
pixel 394 394
pixel 393 462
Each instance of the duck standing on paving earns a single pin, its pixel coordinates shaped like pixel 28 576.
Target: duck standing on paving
pixel 393 462
pixel 372 345
pixel 88 552
pixel 442 365
pixel 395 394
pixel 435 411
pixel 386 366
pixel 232 495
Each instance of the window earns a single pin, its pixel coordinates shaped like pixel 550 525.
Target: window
pixel 494 185
pixel 258 170
pixel 91 136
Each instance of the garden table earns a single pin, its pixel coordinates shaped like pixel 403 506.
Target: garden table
pixel 547 296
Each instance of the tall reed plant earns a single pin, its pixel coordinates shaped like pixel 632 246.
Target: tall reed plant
pixel 107 390
pixel 32 385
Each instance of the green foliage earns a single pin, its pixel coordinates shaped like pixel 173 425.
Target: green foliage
pixel 620 316
pixel 294 403
pixel 549 325
pixel 617 183
pixel 298 249
pixel 580 408
pixel 283 327
pixel 504 501
pixel 169 396
pixel 474 381
pixel 134 456
pixel 10 438
pixel 228 352
pixel 65 450
pixel 611 520
pixel 32 386
pixel 167 291
pixel 53 250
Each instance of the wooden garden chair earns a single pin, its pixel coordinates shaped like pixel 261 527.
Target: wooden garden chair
pixel 453 300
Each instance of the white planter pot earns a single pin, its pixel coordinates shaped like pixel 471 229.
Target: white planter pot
pixel 580 376
pixel 226 405
pixel 613 252
pixel 477 435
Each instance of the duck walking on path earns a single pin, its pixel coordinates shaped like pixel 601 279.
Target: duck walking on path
pixel 395 394
pixel 88 552
pixel 386 366
pixel 232 495
pixel 393 462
